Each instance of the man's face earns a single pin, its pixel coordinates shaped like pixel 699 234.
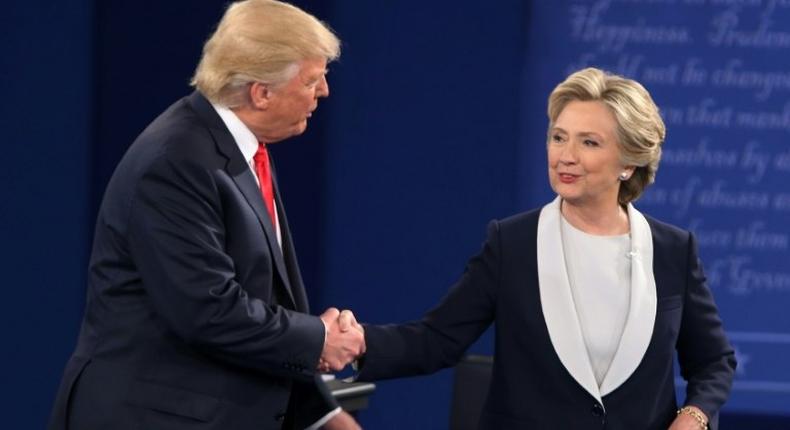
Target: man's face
pixel 291 103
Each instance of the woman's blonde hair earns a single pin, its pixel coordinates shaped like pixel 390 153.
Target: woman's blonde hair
pixel 640 129
pixel 259 41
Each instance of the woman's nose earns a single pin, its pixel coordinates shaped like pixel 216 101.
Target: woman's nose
pixel 568 153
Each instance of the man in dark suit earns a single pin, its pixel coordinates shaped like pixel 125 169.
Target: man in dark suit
pixel 196 315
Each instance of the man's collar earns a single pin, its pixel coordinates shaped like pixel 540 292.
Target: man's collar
pixel 247 142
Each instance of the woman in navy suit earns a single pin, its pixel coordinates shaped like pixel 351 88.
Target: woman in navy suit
pixel 591 298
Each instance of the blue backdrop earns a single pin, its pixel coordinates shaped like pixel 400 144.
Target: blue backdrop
pixel 436 124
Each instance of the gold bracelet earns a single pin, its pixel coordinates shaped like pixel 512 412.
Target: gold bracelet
pixel 701 420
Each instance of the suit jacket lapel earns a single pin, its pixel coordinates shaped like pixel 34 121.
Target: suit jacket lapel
pixel 557 302
pixel 641 318
pixel 239 170
pixel 298 294
pixel 560 313
pixel 249 188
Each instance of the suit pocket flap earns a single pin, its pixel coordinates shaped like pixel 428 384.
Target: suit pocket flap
pixel 172 400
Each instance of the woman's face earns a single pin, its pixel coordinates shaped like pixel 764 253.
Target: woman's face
pixel 584 157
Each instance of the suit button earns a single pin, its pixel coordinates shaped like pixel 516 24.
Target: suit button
pixel 280 416
pixel 597 410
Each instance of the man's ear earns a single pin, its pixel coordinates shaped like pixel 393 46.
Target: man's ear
pixel 260 95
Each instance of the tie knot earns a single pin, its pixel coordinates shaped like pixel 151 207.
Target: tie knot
pixel 261 155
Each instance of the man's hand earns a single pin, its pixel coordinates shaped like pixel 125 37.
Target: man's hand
pixel 347 321
pixel 343 344
pixel 342 421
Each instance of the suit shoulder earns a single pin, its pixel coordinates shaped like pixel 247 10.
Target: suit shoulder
pixel 518 228
pixel 521 220
pixel 667 234
pixel 178 123
pixel 178 139
pixel 178 134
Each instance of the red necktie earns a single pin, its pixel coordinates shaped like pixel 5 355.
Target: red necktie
pixel 263 170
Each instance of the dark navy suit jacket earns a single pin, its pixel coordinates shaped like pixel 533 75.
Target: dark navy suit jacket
pixel 537 381
pixel 195 319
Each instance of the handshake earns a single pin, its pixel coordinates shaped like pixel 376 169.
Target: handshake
pixel 344 341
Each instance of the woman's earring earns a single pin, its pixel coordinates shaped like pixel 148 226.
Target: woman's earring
pixel 623 176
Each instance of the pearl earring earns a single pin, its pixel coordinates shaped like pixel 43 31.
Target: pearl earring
pixel 624 176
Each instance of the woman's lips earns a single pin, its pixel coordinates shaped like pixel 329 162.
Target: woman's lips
pixel 567 178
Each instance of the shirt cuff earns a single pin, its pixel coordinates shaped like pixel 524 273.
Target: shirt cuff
pixel 317 425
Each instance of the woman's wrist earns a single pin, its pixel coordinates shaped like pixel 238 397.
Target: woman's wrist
pixel 695 413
